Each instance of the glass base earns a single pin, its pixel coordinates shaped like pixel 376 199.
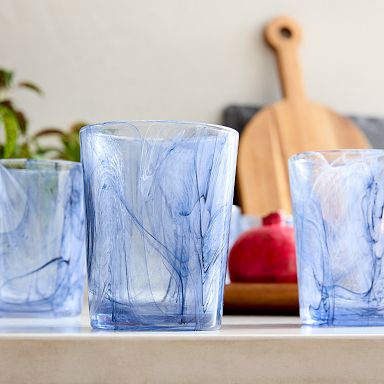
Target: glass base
pixel 48 315
pixel 25 311
pixel 345 323
pixel 344 320
pixel 151 323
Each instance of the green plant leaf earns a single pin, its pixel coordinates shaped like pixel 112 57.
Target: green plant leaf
pixel 8 103
pixel 23 122
pixel 5 78
pixel 23 151
pixel 77 126
pixel 11 128
pixel 48 132
pixel 31 86
pixel 71 146
pixel 43 152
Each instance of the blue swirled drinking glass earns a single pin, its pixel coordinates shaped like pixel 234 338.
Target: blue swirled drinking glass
pixel 338 201
pixel 42 238
pixel 158 204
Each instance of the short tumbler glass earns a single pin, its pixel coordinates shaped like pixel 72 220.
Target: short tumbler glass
pixel 338 202
pixel 158 204
pixel 42 238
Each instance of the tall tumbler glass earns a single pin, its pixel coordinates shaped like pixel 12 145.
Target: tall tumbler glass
pixel 158 204
pixel 338 202
pixel 42 238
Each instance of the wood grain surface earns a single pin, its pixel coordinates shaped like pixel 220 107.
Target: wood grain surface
pixel 262 299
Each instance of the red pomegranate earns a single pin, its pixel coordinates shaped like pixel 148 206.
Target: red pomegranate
pixel 265 254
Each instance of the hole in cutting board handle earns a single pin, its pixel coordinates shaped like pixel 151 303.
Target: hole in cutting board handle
pixel 285 32
pixel 282 32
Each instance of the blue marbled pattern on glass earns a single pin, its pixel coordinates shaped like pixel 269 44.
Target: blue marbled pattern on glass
pixel 158 203
pixel 338 200
pixel 42 238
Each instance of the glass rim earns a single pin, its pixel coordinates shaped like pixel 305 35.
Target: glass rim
pixel 98 127
pixel 306 155
pixel 46 163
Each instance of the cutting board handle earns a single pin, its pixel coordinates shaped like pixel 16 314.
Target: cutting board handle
pixel 284 35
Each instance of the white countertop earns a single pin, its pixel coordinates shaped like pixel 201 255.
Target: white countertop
pixel 246 350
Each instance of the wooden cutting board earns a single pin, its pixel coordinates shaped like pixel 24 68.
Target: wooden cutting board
pixel 261 299
pixel 292 125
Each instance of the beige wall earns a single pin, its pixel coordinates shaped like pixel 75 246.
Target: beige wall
pixel 142 59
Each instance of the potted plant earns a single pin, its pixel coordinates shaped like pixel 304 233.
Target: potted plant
pixel 17 143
